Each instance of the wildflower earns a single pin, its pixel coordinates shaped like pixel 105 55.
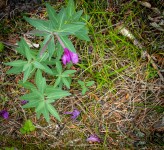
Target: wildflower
pixel 93 138
pixel 69 56
pixel 4 114
pixel 24 102
pixel 75 113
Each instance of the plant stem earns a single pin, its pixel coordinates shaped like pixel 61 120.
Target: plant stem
pixel 60 41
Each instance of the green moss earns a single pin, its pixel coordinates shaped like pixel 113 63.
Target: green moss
pixel 20 143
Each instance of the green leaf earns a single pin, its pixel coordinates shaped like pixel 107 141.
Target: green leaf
pixel 82 34
pixel 76 16
pixel 90 83
pixel 85 18
pixel 38 65
pixel 70 8
pixel 68 72
pixel 40 106
pixel 27 72
pixel 46 114
pixel 16 63
pixel 84 90
pixel 71 28
pixel 40 81
pixel 57 82
pixel 44 57
pixel 53 111
pixel 47 69
pixel 28 54
pixel 39 24
pixel 66 83
pixel 22 46
pixel 59 51
pixel 22 131
pixel 58 94
pixel 38 33
pixel 51 48
pixel 31 104
pixel 81 83
pixel 30 97
pixel 15 70
pixel 44 45
pixel 59 67
pixel 27 85
pixel 52 15
pixel 68 43
pixel 61 18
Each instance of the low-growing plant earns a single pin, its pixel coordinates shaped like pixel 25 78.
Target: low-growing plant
pixel 55 49
pixel 27 127
pixel 85 85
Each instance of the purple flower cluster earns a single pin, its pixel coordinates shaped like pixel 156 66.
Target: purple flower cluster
pixel 69 56
pixel 4 114
pixel 93 138
pixel 75 113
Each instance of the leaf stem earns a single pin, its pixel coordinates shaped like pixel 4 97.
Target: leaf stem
pixel 60 41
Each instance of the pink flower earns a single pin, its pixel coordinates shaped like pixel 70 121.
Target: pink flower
pixel 93 138
pixel 75 113
pixel 69 56
pixel 4 114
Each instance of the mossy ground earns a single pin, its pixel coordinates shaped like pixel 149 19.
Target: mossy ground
pixel 126 102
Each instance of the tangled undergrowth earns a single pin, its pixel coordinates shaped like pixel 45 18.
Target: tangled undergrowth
pixel 124 58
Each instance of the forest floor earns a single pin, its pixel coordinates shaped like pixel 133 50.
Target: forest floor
pixel 125 106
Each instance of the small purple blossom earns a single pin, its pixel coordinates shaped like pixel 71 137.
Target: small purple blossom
pixel 24 102
pixel 93 138
pixel 69 56
pixel 4 114
pixel 75 113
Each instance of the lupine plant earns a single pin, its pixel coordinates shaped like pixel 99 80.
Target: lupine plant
pixel 55 50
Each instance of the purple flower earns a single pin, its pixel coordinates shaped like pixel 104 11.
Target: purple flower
pixel 93 138
pixel 24 102
pixel 69 56
pixel 75 113
pixel 4 114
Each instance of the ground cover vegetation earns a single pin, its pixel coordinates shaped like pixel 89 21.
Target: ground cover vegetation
pixel 91 73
